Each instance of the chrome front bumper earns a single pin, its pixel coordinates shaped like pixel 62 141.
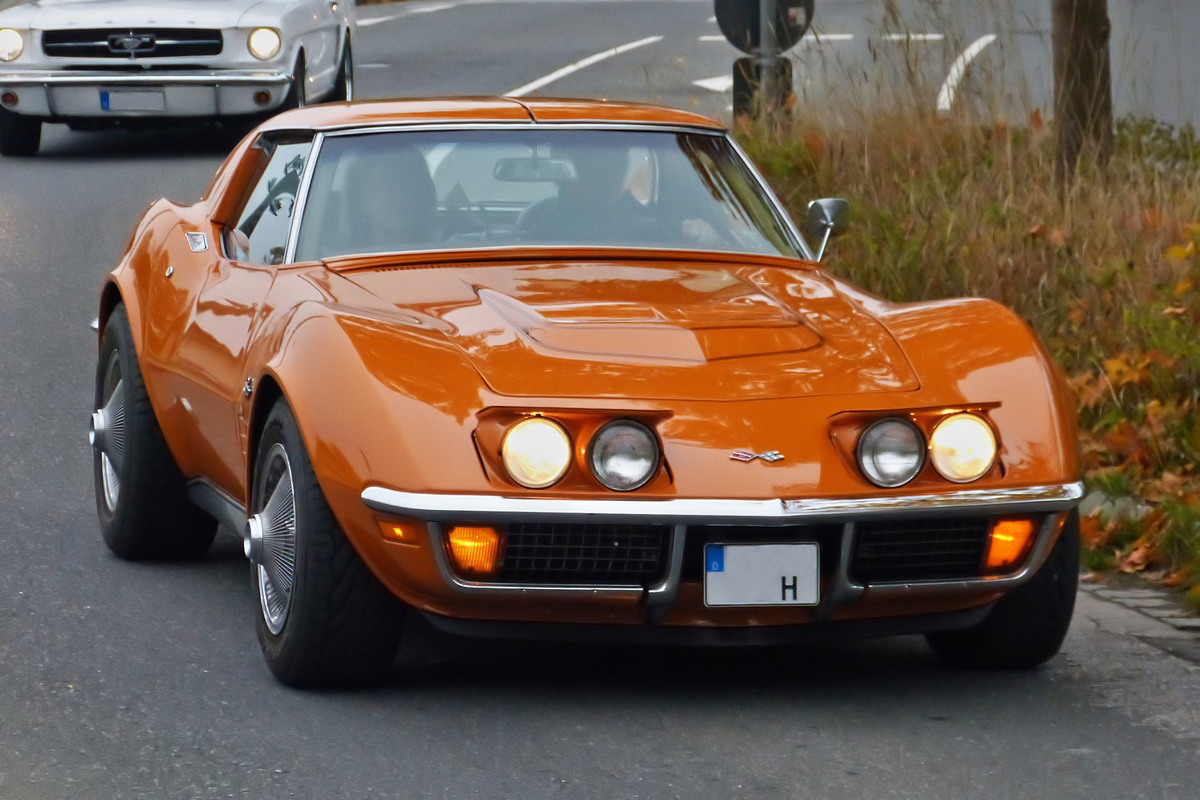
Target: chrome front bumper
pixel 716 511
pixel 438 510
pixel 151 94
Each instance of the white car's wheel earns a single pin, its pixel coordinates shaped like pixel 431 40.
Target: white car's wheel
pixel 19 135
pixel 344 88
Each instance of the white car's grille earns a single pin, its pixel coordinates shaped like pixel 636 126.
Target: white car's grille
pixel 133 44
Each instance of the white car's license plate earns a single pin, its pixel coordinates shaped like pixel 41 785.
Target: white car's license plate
pixel 761 575
pixel 132 101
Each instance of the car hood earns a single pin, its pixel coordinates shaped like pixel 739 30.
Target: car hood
pixel 646 330
pixel 51 14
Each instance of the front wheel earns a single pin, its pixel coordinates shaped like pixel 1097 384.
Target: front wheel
pixel 19 135
pixel 324 619
pixel 343 89
pixel 297 96
pixel 1027 627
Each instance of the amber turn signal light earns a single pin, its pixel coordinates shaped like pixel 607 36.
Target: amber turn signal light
pixel 1009 543
pixel 474 549
pixel 405 531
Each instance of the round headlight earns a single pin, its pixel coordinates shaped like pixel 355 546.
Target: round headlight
pixel 891 452
pixel 537 452
pixel 11 45
pixel 963 448
pixel 264 43
pixel 623 455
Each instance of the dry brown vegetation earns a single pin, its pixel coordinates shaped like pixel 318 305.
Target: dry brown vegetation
pixel 1108 274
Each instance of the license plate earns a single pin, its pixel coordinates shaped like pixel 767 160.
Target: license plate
pixel 132 101
pixel 761 575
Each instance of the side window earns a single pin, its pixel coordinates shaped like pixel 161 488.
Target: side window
pixel 261 233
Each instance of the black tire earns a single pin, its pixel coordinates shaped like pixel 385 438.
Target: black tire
pixel 343 89
pixel 1027 627
pixel 297 96
pixel 19 135
pixel 331 622
pixel 141 497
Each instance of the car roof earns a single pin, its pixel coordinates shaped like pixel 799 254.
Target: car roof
pixel 483 110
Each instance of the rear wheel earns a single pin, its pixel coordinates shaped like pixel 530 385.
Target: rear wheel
pixel 324 619
pixel 19 135
pixel 141 497
pixel 1027 627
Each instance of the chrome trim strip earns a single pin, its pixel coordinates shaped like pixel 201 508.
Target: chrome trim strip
pixel 394 126
pixel 778 207
pixel 466 508
pixel 151 78
pixel 310 166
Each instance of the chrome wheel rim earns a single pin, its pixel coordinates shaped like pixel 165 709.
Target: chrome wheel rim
pixel 108 431
pixel 277 566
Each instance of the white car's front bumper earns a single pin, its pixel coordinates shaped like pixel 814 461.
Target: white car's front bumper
pixel 154 94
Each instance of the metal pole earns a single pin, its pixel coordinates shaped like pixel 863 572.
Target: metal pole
pixel 766 55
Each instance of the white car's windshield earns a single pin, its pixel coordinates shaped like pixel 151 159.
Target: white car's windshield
pixel 437 190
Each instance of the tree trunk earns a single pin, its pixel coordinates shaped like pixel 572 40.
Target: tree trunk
pixel 1083 107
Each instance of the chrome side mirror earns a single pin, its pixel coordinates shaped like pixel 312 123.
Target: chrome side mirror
pixel 826 218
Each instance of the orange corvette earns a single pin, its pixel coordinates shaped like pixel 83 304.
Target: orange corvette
pixel 567 369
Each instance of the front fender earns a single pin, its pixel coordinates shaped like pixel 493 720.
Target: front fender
pixel 980 351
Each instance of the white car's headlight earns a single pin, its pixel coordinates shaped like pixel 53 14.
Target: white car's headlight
pixel 963 448
pixel 537 452
pixel 624 455
pixel 264 43
pixel 891 452
pixel 12 44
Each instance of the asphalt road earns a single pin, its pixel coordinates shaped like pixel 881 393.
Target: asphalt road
pixel 121 680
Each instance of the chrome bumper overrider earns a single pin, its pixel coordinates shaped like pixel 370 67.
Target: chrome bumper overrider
pixel 657 600
pixel 713 511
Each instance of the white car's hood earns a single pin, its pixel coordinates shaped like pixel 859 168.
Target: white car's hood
pixel 54 14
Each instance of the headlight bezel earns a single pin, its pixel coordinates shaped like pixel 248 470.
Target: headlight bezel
pixel 935 451
pixel 271 52
pixel 510 455
pixel 14 50
pixel 594 453
pixel 864 441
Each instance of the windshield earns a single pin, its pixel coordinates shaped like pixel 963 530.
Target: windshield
pixel 438 190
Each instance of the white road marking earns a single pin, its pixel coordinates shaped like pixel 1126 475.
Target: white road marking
pixel 584 63
pixel 832 37
pixel 721 83
pixel 958 71
pixel 712 37
pixel 914 37
pixel 372 66
pixel 367 23
pixel 408 12
pixel 431 8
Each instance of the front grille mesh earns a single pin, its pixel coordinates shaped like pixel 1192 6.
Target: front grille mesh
pixel 539 552
pixel 134 44
pixel 934 548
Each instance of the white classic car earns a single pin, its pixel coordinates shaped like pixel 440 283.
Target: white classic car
pixel 98 63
